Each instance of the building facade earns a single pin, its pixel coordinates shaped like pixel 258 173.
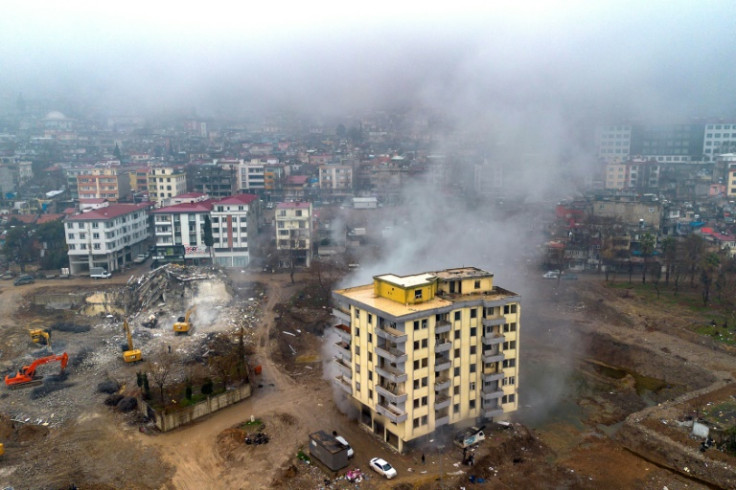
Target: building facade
pixel 165 182
pixel 421 352
pixel 294 233
pixel 109 183
pixel 233 220
pixel 106 237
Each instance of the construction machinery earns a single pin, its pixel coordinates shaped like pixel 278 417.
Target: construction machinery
pixel 27 374
pixel 132 354
pixel 40 336
pixel 183 325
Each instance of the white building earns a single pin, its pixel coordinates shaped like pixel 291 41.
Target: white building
pixel 165 183
pixel 231 218
pixel 719 139
pixel 613 142
pixel 107 237
pixel 294 233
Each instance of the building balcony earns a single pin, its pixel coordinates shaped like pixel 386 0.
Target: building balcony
pixel 494 321
pixel 490 413
pixel 442 326
pixel 391 394
pixel 341 315
pixel 442 383
pixel 345 368
pixel 492 339
pixel 442 363
pixel 495 395
pixel 343 331
pixel 440 421
pixel 442 346
pixel 441 401
pixel 344 350
pixel 491 377
pixel 392 374
pixel 392 355
pixel 391 412
pixel 345 384
pixel 493 358
pixel 391 334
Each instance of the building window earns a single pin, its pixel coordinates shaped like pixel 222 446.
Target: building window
pixel 509 363
pixel 457 316
pixel 457 352
pixel 416 325
pixel 457 334
pixel 510 381
pixel 477 284
pixel 473 331
pixel 473 313
pixel 473 349
pixel 471 405
pixel 370 337
pixel 417 294
pixel 509 327
pixel 456 371
pixel 370 318
pixel 456 390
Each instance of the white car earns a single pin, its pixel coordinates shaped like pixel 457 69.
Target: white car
pixel 381 466
pixel 345 444
pixel 551 275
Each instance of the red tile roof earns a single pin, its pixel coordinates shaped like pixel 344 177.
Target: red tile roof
pixel 292 205
pixel 28 219
pixel 238 199
pixel 47 218
pixel 186 207
pixel 109 212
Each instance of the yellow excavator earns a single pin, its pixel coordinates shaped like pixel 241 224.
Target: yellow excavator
pixel 38 335
pixel 182 325
pixel 130 355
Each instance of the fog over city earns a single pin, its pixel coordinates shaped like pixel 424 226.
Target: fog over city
pixel 575 59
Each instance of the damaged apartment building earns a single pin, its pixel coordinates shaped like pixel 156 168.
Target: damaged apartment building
pixel 425 351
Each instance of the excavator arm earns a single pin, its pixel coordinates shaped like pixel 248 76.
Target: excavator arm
pixel 132 354
pixel 27 374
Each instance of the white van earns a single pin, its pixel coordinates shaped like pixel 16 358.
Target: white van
pixel 99 273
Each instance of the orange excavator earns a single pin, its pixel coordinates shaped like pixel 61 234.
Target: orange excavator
pixel 27 374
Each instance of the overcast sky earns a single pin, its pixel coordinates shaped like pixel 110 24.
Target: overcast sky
pixel 623 58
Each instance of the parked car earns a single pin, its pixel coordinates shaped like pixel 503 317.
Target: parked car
pixel 345 444
pixel 7 276
pixel 551 275
pixel 25 279
pixel 381 466
pixel 140 258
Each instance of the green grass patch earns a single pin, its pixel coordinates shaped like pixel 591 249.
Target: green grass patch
pixel 717 333
pixel 250 424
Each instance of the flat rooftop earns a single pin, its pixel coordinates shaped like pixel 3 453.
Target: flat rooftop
pixel 461 273
pixel 364 294
pixel 407 281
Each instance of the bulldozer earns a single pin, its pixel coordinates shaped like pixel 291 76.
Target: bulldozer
pixel 27 374
pixel 132 354
pixel 40 336
pixel 183 325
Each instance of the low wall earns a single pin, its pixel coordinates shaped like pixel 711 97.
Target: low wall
pixel 169 420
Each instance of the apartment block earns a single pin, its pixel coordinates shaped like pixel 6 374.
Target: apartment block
pixel 294 233
pixel 165 182
pixel 232 219
pixel 108 236
pixel 337 179
pixel 109 183
pixel 429 351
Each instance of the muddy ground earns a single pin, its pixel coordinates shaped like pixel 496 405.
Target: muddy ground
pixel 591 357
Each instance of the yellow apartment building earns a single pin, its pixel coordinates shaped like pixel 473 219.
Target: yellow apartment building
pixel 423 351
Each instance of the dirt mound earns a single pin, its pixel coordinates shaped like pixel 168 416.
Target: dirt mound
pixel 109 386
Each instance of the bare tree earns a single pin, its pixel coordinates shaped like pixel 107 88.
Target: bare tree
pixel 161 368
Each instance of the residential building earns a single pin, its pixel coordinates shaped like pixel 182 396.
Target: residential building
pixel 106 237
pixel 294 233
pixel 233 220
pixel 719 139
pixel 421 352
pixel 635 174
pixel 111 183
pixel 183 224
pixel 165 182
pixel 336 180
pixel 613 142
pixel 213 179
